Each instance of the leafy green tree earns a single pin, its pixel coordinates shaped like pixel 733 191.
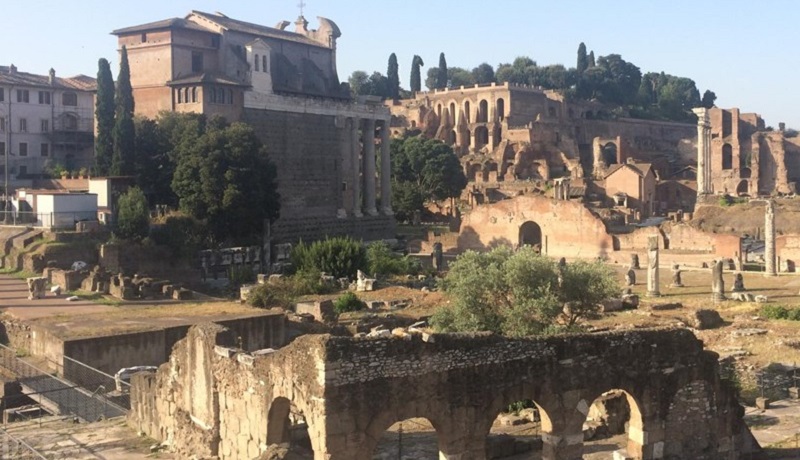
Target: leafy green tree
pixel 133 215
pixel 621 80
pixel 458 77
pixel 373 85
pixel 154 168
pixel 441 79
pixel 359 81
pixel 393 78
pixel 226 179
pixel 676 97
pixel 517 72
pixel 708 99
pixel 483 74
pixel 124 133
pixel 432 77
pixel 340 257
pixel 416 78
pixel 583 59
pixel 104 114
pixel 518 294
pixel 429 166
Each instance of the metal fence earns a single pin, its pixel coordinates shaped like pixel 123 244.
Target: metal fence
pixel 17 449
pixel 51 220
pixel 91 400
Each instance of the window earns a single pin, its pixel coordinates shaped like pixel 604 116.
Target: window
pixel 23 149
pixel 70 122
pixel 44 97
pixel 23 95
pixel 185 94
pixel 70 99
pixel 258 61
pixel 264 63
pixel 180 96
pixel 45 150
pixel 197 61
pixel 2 94
pixel 2 124
pixel 23 125
pixel 144 38
pixel 2 148
pixel 45 126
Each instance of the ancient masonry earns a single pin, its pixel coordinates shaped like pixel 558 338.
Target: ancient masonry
pixel 212 400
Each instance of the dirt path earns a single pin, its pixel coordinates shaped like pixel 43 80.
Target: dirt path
pixel 14 301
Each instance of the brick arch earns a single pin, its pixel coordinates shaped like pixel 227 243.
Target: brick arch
pixel 381 422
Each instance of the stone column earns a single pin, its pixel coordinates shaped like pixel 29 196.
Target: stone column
pixel 369 167
pixel 652 267
pixel 703 151
pixel 717 281
pixel 355 151
pixel 345 152
pixel 769 239
pixel 386 171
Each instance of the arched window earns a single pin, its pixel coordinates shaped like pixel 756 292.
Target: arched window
pixel 258 61
pixel 727 156
pixel 264 63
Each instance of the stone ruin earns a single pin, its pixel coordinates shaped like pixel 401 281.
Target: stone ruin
pixel 214 400
pixel 37 287
pixel 142 287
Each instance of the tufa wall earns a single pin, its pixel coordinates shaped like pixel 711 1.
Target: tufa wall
pixel 212 400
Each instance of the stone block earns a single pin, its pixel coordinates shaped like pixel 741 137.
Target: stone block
pixel 761 299
pixel 705 319
pixel 622 454
pixel 762 403
pixel 666 306
pixel 182 294
pixel 610 305
pixel 794 392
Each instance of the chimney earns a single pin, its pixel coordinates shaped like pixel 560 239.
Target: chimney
pixel 12 69
pixel 52 76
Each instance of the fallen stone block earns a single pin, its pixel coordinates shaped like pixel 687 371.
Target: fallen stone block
pixel 762 299
pixel 666 306
pixel 182 294
pixel 705 319
pixel 610 305
pixel 746 332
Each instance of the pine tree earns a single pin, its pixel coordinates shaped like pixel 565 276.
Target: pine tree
pixel 441 78
pixel 583 59
pixel 104 114
pixel 393 77
pixel 416 78
pixel 124 130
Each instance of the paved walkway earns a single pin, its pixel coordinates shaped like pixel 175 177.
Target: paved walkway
pixel 14 301
pixel 778 423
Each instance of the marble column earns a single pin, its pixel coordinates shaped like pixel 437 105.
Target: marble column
pixel 703 151
pixel 345 152
pixel 652 267
pixel 369 167
pixel 355 150
pixel 769 239
pixel 386 171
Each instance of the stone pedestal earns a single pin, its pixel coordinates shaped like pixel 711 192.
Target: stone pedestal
pixel 762 403
pixel 794 392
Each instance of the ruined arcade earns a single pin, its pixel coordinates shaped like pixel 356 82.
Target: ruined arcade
pixel 213 400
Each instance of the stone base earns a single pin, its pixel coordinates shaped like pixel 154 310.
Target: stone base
pixel 653 294
pixel 762 403
pixel 718 297
pixel 794 392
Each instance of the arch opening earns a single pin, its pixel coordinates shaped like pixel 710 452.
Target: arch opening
pixel 481 136
pixel 516 432
pixel 501 109
pixel 727 156
pixel 612 423
pixel 530 234
pixel 610 154
pixel 286 424
pixel 411 438
pixel 453 116
pixel 743 189
pixel 467 112
pixel 483 112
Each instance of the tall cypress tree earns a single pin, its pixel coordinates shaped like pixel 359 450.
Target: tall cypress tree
pixel 583 59
pixel 416 78
pixel 104 114
pixel 441 77
pixel 393 77
pixel 124 130
pixel 591 59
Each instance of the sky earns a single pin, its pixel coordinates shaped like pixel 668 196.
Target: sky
pixel 741 50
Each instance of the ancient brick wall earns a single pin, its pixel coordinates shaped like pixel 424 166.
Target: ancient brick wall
pixel 212 399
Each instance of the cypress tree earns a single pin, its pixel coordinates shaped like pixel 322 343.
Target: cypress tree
pixel 583 59
pixel 104 114
pixel 591 59
pixel 393 77
pixel 124 130
pixel 416 78
pixel 441 77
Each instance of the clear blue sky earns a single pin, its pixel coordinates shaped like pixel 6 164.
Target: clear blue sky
pixel 742 50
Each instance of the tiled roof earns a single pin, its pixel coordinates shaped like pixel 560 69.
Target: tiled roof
pixel 172 23
pixel 256 29
pixel 17 78
pixel 639 168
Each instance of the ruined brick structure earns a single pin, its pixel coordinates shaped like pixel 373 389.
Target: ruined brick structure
pixel 213 400
pixel 739 156
pixel 285 84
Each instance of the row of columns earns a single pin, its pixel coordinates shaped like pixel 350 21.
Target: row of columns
pixel 358 157
pixel 704 186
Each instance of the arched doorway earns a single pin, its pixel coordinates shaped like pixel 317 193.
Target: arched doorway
pixel 743 188
pixel 481 136
pixel 530 234
pixel 483 112
pixel 451 137
pixel 516 431
pixel 610 154
pixel 406 439
pixel 286 424
pixel 608 424
pixel 453 115
pixel 501 109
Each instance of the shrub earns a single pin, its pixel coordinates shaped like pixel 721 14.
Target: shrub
pixel 285 291
pixel 348 302
pixel 340 257
pixel 133 215
pixel 183 235
pixel 382 261
pixel 774 312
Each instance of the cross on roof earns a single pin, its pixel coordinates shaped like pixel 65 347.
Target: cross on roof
pixel 301 5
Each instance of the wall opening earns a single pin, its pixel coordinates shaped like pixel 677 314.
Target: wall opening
pixel 467 112
pixel 483 112
pixel 727 156
pixel 286 424
pixel 530 234
pixel 610 153
pixel 451 137
pixel 609 422
pixel 452 113
pixel 727 123
pixel 412 438
pixel 481 136
pixel 501 109
pixel 743 189
pixel 516 432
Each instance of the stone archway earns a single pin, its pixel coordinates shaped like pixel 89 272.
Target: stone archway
pixel 483 111
pixel 530 234
pixel 610 154
pixel 613 421
pixel 501 109
pixel 481 136
pixel 743 188
pixel 286 424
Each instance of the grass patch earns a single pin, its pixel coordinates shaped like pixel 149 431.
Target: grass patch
pixel 20 274
pixel 97 298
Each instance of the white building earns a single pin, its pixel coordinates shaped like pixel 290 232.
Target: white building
pixel 44 121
